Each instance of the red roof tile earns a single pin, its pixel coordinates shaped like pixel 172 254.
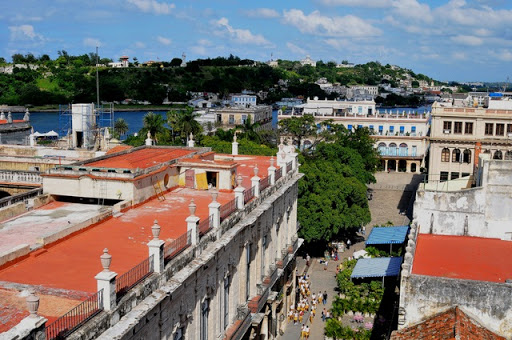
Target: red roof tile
pixel 142 159
pixel 463 257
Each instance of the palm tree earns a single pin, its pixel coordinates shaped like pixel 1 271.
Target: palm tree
pixel 154 123
pixel 183 122
pixel 120 126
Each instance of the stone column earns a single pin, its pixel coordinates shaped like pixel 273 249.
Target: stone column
pixel 255 181
pixel 386 165
pixel 239 193
pixel 156 248
pixel 234 146
pixel 281 161
pixel 192 222
pixel 272 171
pixel 106 280
pixel 214 209
pixel 396 166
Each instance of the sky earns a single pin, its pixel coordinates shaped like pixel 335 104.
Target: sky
pixel 461 40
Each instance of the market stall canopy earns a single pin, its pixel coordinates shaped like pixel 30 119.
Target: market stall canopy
pixel 377 267
pixel 388 235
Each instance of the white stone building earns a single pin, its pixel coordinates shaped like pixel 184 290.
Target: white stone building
pixel 308 61
pixel 221 262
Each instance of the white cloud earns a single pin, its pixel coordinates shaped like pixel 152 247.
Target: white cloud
pixel 163 40
pixel 19 17
pixel 412 9
pixel 467 40
pixel 92 42
pixel 152 6
pixel 139 44
pixel 459 56
pixel 24 32
pixel 295 49
pixel 267 13
pixel 504 55
pixel 317 24
pixel 358 3
pixel 203 47
pixel 338 44
pixel 240 35
pixel 204 42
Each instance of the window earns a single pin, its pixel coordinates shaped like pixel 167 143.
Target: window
pixel 445 155
pixel 467 156
pixel 349 127
pixel 414 150
pixel 179 334
pixel 391 129
pixel 454 175
pixel 382 149
pixel 392 149
pixel 359 126
pixel 413 129
pixel 469 129
pixel 465 174
pixel 263 247
pixel 500 129
pixel 509 129
pixel 371 128
pixel 489 127
pixel 205 311
pixel 226 302
pixel 498 155
pixel 444 176
pixel 381 128
pixel 456 156
pixel 457 127
pixel 244 119
pixel 402 130
pixel 403 150
pixel 447 127
pixel 247 271
pixel 508 156
pixel 231 119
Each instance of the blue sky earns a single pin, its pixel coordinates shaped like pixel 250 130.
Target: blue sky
pixel 464 40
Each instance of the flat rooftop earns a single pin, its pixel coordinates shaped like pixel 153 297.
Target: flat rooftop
pixel 35 224
pixel 463 257
pixel 142 158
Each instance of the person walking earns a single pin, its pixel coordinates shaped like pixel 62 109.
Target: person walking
pixel 325 297
pixel 348 244
pixel 323 315
pixel 308 259
pixel 364 231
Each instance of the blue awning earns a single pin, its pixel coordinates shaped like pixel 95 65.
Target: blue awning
pixel 377 267
pixel 388 235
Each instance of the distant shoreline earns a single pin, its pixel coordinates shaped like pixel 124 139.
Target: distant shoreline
pixel 115 109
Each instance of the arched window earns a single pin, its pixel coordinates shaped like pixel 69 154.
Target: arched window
pixel 467 156
pixel 445 155
pixel 392 149
pixel 508 155
pixel 382 148
pixel 456 156
pixel 402 151
pixel 498 155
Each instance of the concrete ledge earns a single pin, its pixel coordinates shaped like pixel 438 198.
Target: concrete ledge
pixel 12 210
pixel 28 328
pixel 14 253
pixel 119 207
pixel 57 235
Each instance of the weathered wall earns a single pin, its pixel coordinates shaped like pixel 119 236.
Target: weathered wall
pixel 172 301
pixel 481 211
pixel 489 302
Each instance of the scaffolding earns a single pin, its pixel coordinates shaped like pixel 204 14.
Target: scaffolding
pixel 85 130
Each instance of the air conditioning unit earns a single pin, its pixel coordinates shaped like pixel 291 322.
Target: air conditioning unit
pixel 446 131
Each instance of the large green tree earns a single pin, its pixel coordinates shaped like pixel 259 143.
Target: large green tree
pixel 155 124
pixel 183 122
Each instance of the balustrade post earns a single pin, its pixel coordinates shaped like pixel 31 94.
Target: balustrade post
pixel 156 248
pixel 239 193
pixel 192 222
pixel 214 209
pixel 256 182
pixel 106 281
pixel 272 171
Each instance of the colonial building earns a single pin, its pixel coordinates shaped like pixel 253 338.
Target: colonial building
pixel 401 138
pixel 460 134
pixel 211 255
pixel 457 246
pixel 230 117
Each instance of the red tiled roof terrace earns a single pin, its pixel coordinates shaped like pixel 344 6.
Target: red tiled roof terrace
pixel 142 158
pixel 463 257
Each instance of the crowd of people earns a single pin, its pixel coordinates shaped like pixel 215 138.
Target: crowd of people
pixel 307 302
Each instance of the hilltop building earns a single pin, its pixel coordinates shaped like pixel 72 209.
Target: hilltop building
pixel 218 263
pixel 230 117
pixel 308 61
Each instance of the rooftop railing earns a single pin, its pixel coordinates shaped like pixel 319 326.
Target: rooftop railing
pixel 135 275
pixel 248 194
pixel 176 246
pixel 279 173
pixel 264 183
pixel 20 197
pixel 227 209
pixel 205 225
pixel 72 320
pixel 289 166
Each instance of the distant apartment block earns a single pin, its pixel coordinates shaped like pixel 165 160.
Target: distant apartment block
pixel 243 100
pixel 230 117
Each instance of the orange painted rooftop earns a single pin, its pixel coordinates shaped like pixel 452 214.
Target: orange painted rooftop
pixel 247 164
pixel 463 257
pixel 4 121
pixel 142 159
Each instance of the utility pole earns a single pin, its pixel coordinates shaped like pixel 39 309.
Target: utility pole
pixel 97 80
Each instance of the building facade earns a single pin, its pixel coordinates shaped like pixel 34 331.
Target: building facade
pixel 221 259
pixel 401 138
pixel 460 134
pixel 244 100
pixel 230 117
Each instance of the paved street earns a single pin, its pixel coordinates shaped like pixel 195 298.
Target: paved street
pixel 387 203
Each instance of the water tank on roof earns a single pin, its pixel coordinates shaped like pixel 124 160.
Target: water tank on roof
pixel 495 94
